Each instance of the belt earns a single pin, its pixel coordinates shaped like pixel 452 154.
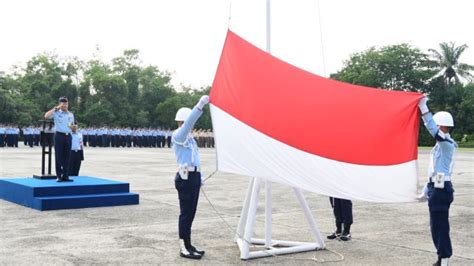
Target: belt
pixel 194 168
pixel 76 150
pixel 62 133
pixel 446 178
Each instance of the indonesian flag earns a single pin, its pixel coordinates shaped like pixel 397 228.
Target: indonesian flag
pixel 275 121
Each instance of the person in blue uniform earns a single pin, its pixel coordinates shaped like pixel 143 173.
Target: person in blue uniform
pixel 63 120
pixel 439 189
pixel 342 210
pixel 188 177
pixel 77 151
pixel 2 135
pixel 36 136
pixel 28 137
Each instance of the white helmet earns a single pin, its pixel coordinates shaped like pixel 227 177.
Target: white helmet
pixel 443 119
pixel 182 114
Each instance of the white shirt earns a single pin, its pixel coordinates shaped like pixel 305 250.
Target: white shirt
pixel 76 141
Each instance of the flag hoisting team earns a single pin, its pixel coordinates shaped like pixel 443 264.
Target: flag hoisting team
pixel 438 191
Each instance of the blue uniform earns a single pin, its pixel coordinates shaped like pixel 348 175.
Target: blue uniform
pixel 187 156
pixel 2 136
pixel 28 136
pixel 62 121
pixel 9 137
pixel 440 199
pixel 77 154
pixel 62 142
pixel 184 145
pixel 16 132
pixel 342 210
pixel 36 136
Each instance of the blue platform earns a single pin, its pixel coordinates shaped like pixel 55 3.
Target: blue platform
pixel 84 192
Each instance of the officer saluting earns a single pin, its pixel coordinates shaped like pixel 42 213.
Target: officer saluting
pixel 63 120
pixel 188 178
pixel 439 189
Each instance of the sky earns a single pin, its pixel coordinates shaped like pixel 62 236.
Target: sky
pixel 185 37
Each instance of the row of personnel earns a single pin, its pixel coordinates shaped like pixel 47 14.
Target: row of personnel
pixel 103 137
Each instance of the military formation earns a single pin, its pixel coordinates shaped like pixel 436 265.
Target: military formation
pixel 11 135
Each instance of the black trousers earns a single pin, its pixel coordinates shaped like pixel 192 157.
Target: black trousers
pixel 30 140
pixel 342 210
pixel 188 193
pixel 36 139
pixel 62 149
pixel 75 160
pixel 439 201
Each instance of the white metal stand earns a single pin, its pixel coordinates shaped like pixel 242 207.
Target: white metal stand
pixel 273 247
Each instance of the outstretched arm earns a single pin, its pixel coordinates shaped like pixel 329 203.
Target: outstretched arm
pixel 185 129
pixel 430 124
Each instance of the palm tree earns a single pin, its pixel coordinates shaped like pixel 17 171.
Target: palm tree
pixel 448 65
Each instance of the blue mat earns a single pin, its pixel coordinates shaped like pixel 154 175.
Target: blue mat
pixel 84 192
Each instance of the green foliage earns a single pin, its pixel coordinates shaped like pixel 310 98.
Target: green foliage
pixel 401 67
pixel 447 63
pixel 395 67
pixel 125 93
pixel 122 93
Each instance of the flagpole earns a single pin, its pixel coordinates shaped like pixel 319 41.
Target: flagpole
pixel 268 27
pixel 268 185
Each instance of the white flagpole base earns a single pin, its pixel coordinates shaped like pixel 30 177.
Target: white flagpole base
pixel 272 247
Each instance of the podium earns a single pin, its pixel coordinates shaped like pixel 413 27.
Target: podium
pixel 84 192
pixel 47 141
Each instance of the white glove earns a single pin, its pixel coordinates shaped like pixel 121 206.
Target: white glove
pixel 202 102
pixel 422 105
pixel 424 194
pixel 422 197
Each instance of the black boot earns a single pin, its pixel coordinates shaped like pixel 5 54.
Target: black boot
pixel 186 252
pixel 437 263
pixel 194 249
pixel 66 179
pixel 336 234
pixel 346 234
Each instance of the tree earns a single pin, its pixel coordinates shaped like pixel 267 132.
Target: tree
pixel 100 114
pixel 166 111
pixel 394 67
pixel 400 67
pixel 448 65
pixel 155 88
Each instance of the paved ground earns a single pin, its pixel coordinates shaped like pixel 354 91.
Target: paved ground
pixel 383 234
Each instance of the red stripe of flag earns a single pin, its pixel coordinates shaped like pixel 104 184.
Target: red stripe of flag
pixel 335 120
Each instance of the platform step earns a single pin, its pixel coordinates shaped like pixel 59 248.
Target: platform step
pixel 85 201
pixel 82 185
pixel 84 192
